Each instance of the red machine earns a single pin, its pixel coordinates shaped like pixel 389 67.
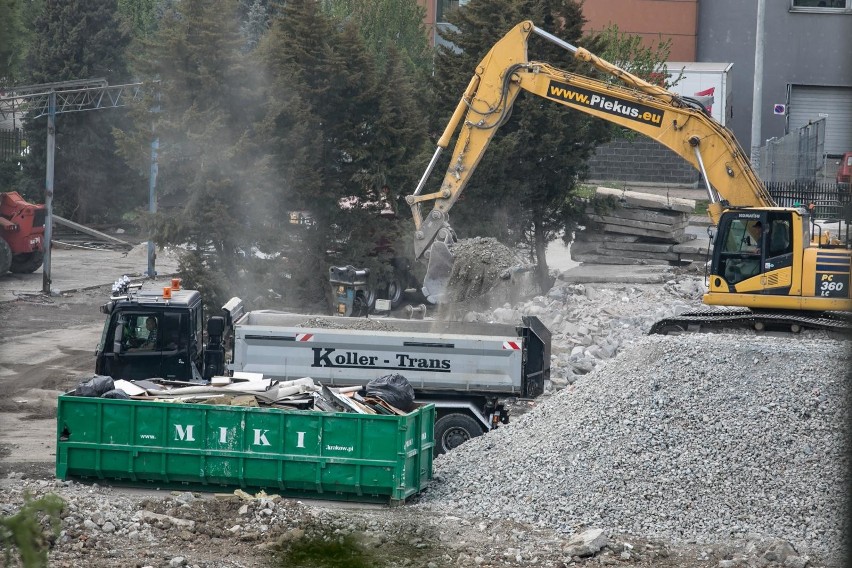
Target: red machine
pixel 844 172
pixel 22 232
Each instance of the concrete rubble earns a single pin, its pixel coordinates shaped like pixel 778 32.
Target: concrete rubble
pixel 637 228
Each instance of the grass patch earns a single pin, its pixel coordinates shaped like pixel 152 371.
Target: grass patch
pixel 585 190
pixel 701 207
pixel 320 553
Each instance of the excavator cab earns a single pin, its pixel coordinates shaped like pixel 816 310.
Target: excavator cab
pixel 749 244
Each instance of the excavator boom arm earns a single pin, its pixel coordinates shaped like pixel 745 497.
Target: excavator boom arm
pixel 648 109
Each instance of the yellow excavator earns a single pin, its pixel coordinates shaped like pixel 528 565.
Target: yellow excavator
pixel 773 266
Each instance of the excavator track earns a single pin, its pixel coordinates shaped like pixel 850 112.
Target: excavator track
pixel 715 320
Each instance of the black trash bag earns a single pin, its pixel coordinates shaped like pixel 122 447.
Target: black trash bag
pixel 95 387
pixel 115 393
pixel 393 389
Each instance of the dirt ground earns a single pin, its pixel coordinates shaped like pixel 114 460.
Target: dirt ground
pixel 47 346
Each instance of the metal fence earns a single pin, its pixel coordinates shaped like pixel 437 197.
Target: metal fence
pixel 12 144
pixel 798 156
pixel 830 200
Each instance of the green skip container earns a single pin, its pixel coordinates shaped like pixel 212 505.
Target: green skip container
pixel 321 455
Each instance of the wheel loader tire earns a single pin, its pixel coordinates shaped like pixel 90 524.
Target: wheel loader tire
pixel 5 257
pixel 27 263
pixel 453 429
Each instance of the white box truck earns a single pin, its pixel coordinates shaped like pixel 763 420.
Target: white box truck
pixel 708 82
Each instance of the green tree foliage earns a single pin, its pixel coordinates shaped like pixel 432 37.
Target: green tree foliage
pixel 11 32
pixel 386 24
pixel 631 54
pixel 526 178
pixel 255 22
pixel 80 40
pixel 338 130
pixel 24 532
pixel 647 62
pixel 17 19
pixel 16 25
pixel 204 112
pixel 141 15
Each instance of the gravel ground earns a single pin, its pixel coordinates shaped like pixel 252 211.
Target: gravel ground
pixel 687 438
pixel 708 450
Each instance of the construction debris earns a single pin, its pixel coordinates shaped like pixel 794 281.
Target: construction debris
pixel 640 228
pixel 298 394
pixel 479 265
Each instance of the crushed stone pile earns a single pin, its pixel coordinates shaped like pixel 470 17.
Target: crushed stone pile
pixel 691 438
pixel 479 265
pixel 593 323
pixel 364 324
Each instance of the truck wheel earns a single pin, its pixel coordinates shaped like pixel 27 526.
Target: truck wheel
pixel 395 291
pixel 27 262
pixel 453 430
pixel 364 302
pixel 5 257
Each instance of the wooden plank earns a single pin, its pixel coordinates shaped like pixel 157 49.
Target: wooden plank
pixel 648 200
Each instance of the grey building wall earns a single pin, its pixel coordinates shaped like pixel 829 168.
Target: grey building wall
pixel 799 48
pixel 640 160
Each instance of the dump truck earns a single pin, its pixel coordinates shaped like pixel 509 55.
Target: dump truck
pixel 469 371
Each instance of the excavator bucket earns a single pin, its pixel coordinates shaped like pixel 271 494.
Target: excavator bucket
pixel 438 272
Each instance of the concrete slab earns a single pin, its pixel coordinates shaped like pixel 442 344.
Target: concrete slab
pixel 616 274
pixel 79 269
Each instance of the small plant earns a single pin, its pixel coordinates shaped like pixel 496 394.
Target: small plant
pixel 23 531
pixel 322 553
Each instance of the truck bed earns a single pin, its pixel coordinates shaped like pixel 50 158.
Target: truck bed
pixel 435 356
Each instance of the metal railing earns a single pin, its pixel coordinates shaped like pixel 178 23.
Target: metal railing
pixel 12 144
pixel 798 156
pixel 830 200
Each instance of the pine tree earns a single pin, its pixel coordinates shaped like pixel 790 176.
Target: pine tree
pixel 337 131
pixel 141 15
pixel 208 104
pixel 11 32
pixel 529 172
pixel 255 24
pixel 386 24
pixel 81 40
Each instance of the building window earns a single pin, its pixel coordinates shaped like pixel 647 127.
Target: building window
pixel 832 6
pixel 445 6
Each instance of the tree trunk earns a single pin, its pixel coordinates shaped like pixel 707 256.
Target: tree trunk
pixel 542 271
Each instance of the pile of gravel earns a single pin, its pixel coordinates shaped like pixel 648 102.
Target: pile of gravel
pixel 697 437
pixel 592 323
pixel 479 264
pixel 363 324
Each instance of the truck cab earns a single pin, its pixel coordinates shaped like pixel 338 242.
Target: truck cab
pixel 152 332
